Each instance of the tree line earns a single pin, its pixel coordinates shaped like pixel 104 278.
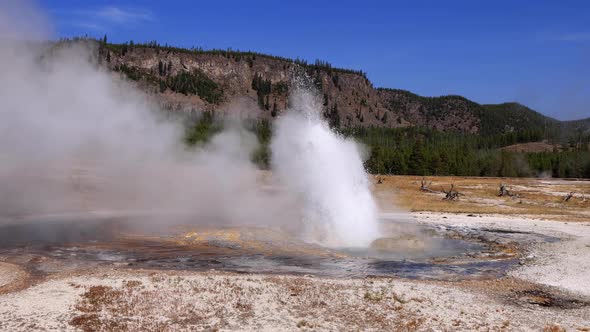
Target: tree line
pixel 420 151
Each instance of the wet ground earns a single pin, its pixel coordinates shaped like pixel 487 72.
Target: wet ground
pixel 57 244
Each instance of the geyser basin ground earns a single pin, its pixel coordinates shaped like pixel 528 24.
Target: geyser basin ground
pixel 60 286
pixel 407 250
pixel 68 286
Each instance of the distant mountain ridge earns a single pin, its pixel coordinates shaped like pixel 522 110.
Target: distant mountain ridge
pixel 582 124
pixel 210 80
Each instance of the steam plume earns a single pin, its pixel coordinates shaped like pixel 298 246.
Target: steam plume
pixel 76 138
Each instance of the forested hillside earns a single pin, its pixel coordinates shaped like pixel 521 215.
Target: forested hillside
pixel 406 133
pixel 187 79
pixel 428 152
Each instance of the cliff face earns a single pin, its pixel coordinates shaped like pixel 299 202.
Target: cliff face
pixel 259 84
pixel 167 75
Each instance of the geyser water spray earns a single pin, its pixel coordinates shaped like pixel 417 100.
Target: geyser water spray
pixel 326 171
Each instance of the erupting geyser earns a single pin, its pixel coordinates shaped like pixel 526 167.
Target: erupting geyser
pixel 74 138
pixel 326 171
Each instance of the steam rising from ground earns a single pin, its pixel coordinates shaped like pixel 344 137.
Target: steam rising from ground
pixel 74 137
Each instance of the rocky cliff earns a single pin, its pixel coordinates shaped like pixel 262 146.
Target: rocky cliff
pixel 214 80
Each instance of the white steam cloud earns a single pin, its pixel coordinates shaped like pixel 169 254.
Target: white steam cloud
pixel 327 171
pixel 76 138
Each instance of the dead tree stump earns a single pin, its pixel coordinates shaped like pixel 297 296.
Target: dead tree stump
pixel 451 195
pixel 426 187
pixel 505 192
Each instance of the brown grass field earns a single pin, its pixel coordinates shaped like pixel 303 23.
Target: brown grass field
pixel 542 198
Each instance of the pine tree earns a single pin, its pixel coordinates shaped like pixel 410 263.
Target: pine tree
pixel 255 82
pixel 416 161
pixel 334 117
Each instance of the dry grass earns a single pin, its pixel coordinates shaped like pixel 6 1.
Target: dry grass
pixel 230 303
pixel 532 147
pixel 553 328
pixel 134 307
pixel 140 300
pixel 12 278
pixel 537 197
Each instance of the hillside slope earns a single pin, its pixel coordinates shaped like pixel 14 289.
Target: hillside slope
pixel 213 80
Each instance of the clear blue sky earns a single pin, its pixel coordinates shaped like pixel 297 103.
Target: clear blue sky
pixel 534 52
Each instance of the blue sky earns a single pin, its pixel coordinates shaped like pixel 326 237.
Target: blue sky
pixel 533 52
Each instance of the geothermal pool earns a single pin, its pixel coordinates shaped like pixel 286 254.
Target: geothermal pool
pixel 408 249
